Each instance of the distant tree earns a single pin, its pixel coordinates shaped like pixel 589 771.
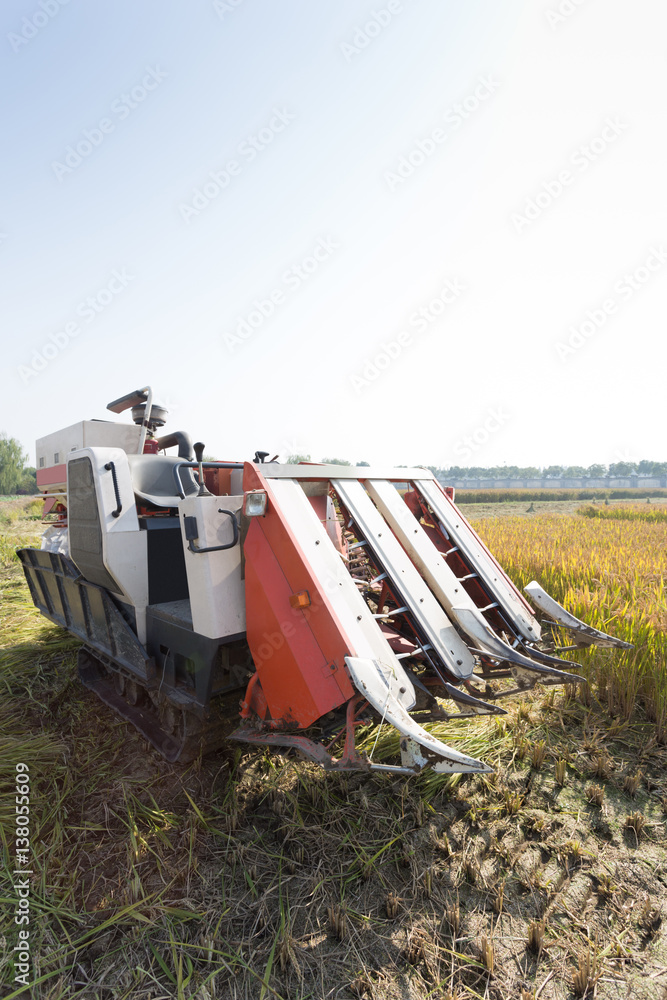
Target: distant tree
pixel 366 465
pixel 295 459
pixel 335 461
pixel 12 464
pixel 28 484
pixel 458 472
pixel 646 468
pixel 622 468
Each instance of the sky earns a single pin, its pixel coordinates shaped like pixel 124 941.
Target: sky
pixel 402 232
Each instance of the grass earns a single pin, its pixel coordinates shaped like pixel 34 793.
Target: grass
pixel 624 514
pixel 531 495
pixel 251 875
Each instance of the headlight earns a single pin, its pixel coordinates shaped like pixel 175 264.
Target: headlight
pixel 254 503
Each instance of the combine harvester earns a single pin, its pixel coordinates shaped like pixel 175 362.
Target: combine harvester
pixel 322 597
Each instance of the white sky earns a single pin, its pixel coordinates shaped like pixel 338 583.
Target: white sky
pixel 389 245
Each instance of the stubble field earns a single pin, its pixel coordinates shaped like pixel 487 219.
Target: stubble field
pixel 253 875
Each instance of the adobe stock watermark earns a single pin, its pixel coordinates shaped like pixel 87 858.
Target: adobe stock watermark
pixel 562 11
pixel 291 281
pixel 419 321
pixel 224 7
pixel 365 33
pixel 624 290
pixel 22 957
pixel 33 24
pixel 121 108
pixel 628 456
pixel 88 310
pixel 453 118
pixel 495 419
pixel 219 180
pixel 290 446
pixel 582 158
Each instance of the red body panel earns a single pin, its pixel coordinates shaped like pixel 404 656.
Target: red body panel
pixel 218 481
pixel 51 476
pixel 299 654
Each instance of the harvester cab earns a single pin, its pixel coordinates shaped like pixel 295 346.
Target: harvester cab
pixel 320 598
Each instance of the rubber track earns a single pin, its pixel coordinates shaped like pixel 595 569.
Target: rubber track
pixel 203 733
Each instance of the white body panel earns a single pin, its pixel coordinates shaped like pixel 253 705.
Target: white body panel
pixel 426 557
pixel 349 606
pixel 473 623
pixel 429 561
pixel 124 546
pixel 587 633
pixel 462 536
pixel 236 482
pixel 413 590
pixel 217 593
pixel 359 472
pixel 55 448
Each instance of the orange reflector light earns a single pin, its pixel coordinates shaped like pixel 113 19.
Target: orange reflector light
pixel 300 600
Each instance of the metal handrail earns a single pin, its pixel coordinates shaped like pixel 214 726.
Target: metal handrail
pixel 110 467
pixel 191 530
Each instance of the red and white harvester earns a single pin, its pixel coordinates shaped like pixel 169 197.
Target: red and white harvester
pixel 320 597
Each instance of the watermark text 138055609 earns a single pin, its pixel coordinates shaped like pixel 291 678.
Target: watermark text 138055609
pixel 21 950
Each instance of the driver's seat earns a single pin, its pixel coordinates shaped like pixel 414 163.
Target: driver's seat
pixel 156 479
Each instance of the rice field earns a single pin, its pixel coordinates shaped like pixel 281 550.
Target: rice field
pixel 250 875
pixel 495 496
pixel 648 516
pixel 608 571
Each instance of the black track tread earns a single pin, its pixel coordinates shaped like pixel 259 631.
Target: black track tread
pixel 203 733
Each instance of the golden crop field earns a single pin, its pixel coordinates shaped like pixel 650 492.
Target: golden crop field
pixel 608 571
pixel 250 875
